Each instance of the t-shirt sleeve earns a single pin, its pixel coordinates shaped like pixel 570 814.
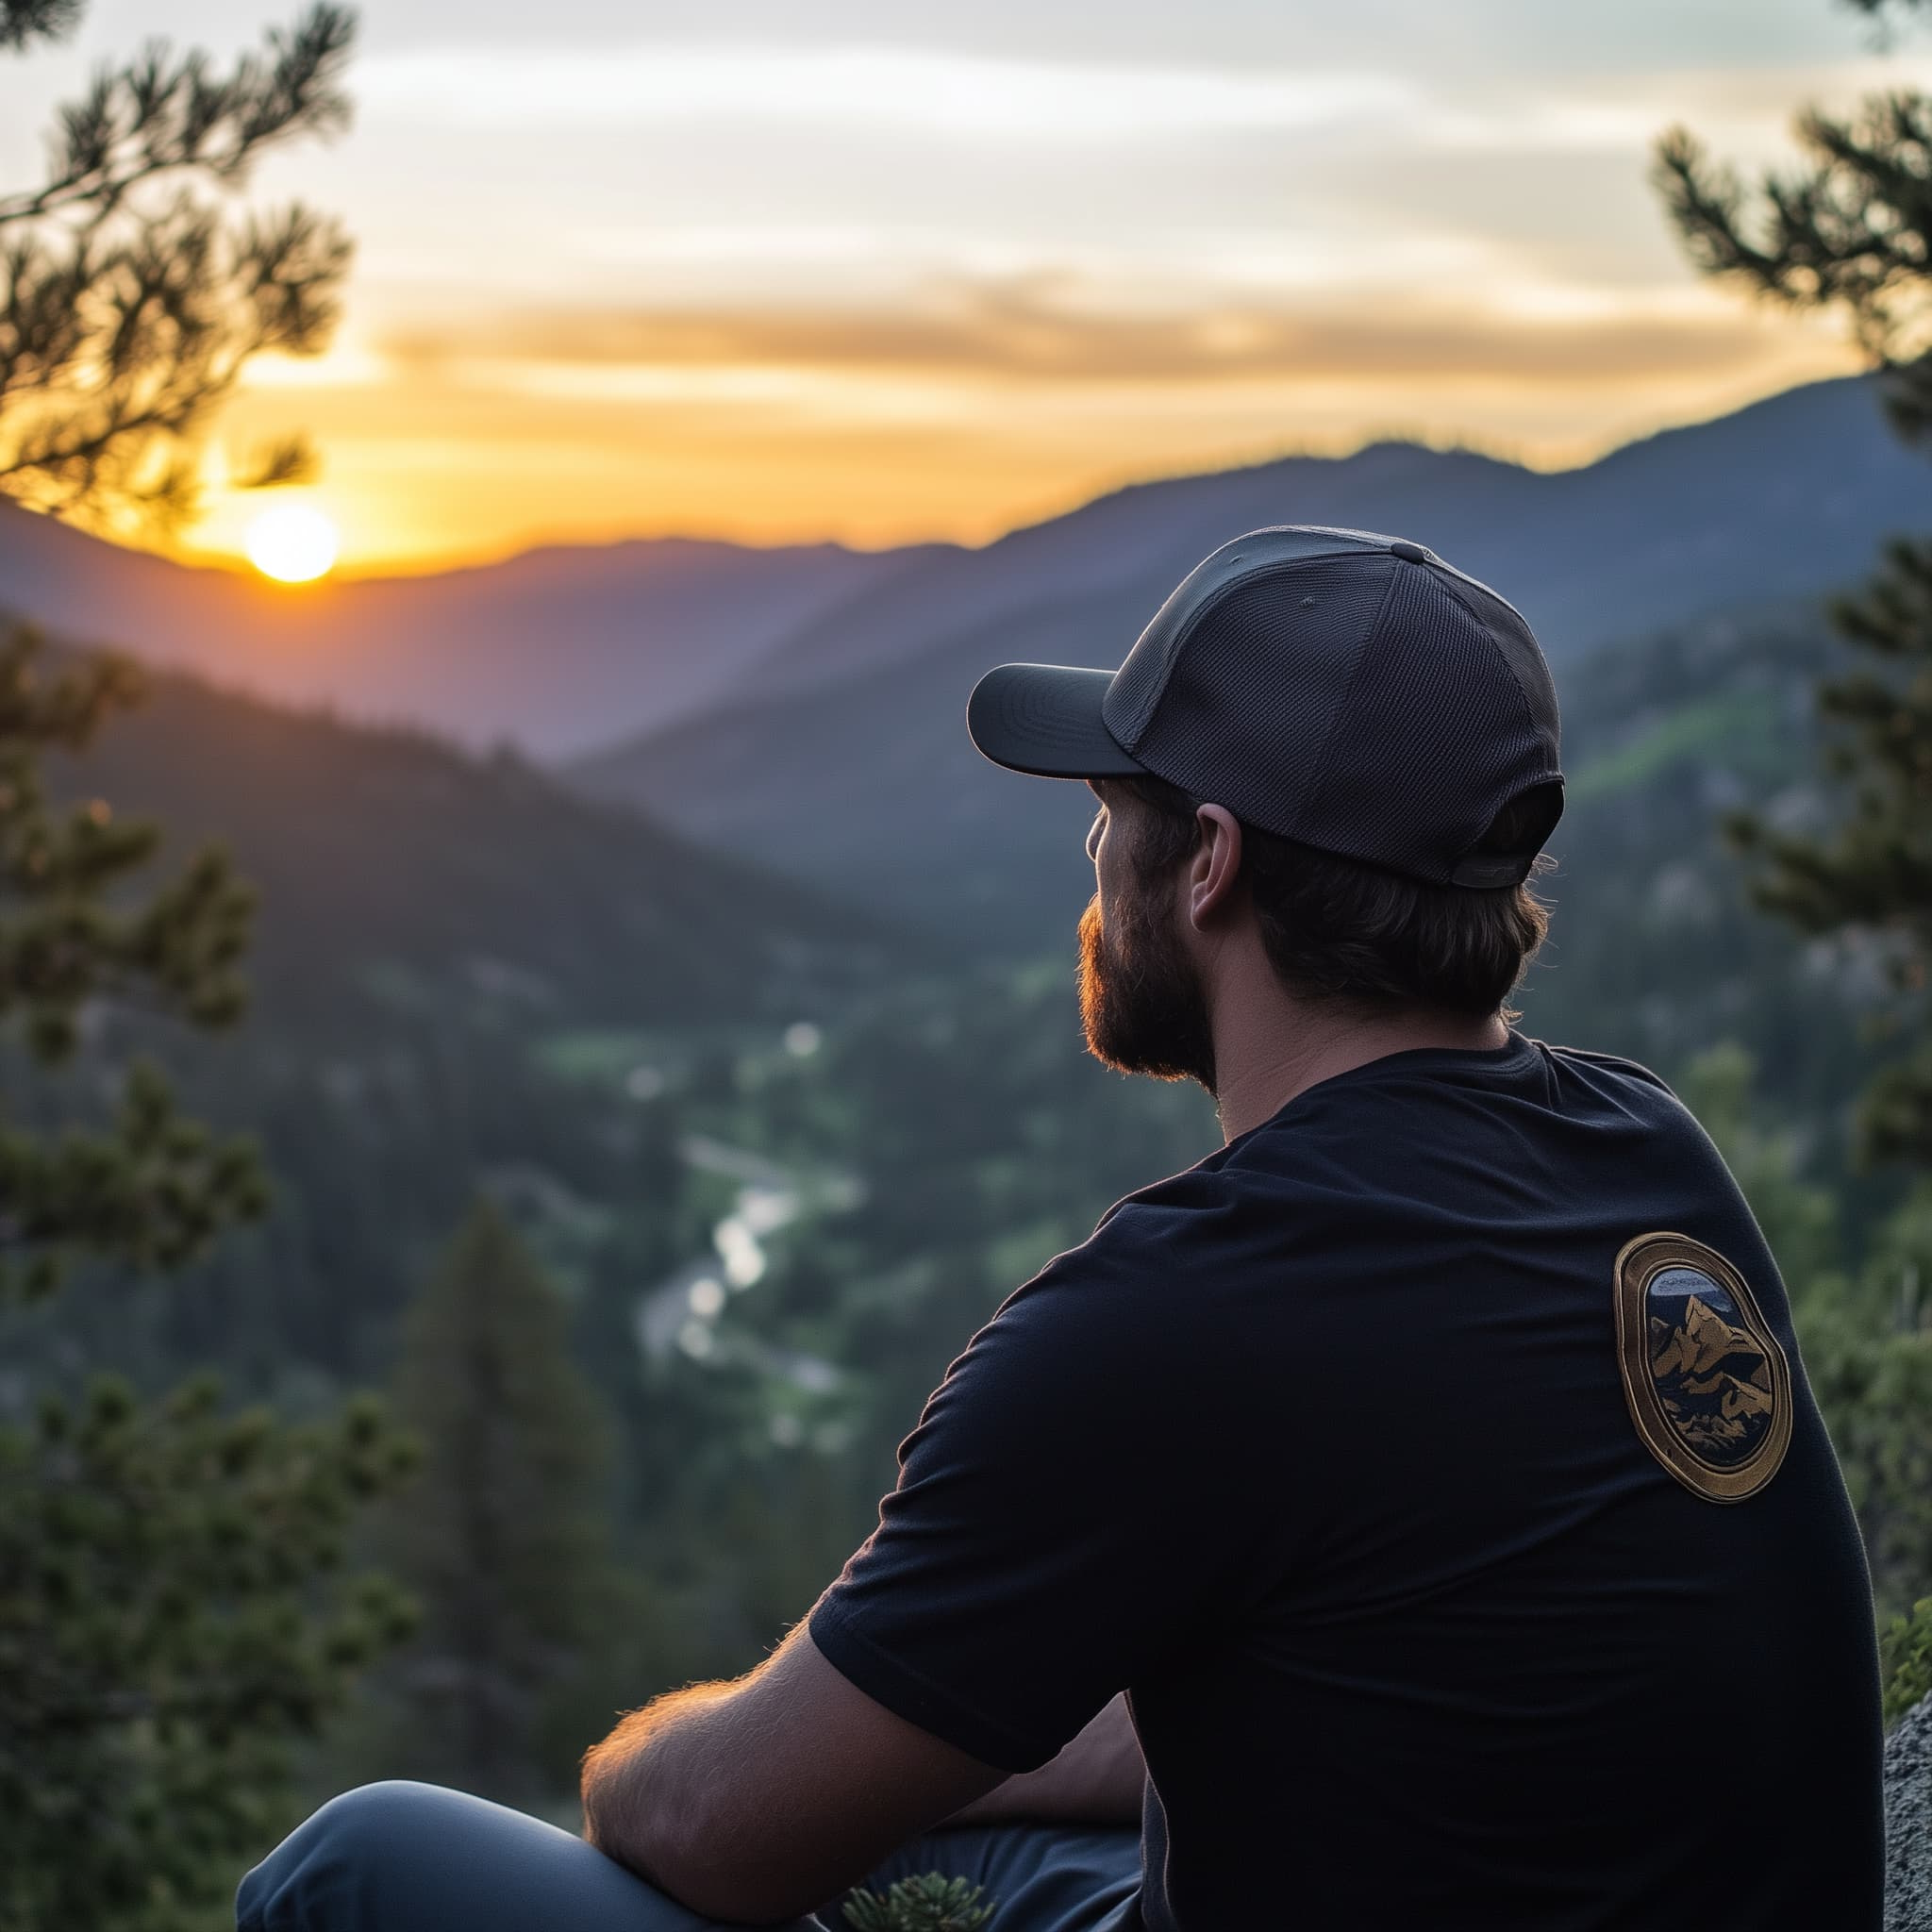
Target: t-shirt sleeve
pixel 1062 1517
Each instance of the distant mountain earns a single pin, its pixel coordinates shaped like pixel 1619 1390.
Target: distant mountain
pixel 402 879
pixel 555 651
pixel 567 652
pixel 1785 497
pixel 848 749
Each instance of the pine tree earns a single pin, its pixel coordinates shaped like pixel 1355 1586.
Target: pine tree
pixel 172 1619
pixel 169 1619
pixel 1852 232
pixel 129 303
pixel 503 1536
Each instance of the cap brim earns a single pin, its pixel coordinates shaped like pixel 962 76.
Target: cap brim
pixel 1044 720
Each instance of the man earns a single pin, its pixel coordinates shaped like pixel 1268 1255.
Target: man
pixel 1414 1513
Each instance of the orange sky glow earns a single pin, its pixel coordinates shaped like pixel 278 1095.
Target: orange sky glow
pixel 459 454
pixel 900 278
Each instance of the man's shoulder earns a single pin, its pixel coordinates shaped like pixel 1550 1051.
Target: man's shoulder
pixel 1160 1210
pixel 1158 1257
pixel 1144 1249
pixel 1615 1066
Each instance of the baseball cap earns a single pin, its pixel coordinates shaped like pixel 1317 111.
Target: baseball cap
pixel 1347 691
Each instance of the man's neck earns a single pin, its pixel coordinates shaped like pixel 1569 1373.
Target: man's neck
pixel 1266 1057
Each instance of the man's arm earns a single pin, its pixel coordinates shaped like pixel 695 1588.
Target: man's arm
pixel 763 1799
pixel 1099 1778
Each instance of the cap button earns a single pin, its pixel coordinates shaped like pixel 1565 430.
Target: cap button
pixel 1412 552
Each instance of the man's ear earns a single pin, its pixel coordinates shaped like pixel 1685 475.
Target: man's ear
pixel 1216 864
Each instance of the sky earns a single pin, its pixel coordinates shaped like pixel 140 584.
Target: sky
pixel 785 270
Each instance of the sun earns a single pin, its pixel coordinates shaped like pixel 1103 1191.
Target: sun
pixel 292 543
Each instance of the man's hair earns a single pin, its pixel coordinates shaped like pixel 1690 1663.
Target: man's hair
pixel 1336 929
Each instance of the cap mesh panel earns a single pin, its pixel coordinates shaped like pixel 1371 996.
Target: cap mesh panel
pixel 1433 739
pixel 1254 693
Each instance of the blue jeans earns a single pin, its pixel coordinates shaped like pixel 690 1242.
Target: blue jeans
pixel 409 1857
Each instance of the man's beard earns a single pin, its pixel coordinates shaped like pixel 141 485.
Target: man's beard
pixel 1140 999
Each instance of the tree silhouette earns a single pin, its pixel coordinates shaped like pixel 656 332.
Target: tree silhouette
pixel 172 1615
pixel 169 1622
pixel 504 1534
pixel 130 301
pixel 1852 232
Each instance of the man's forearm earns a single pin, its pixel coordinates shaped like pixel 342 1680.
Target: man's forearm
pixel 760 1799
pixel 1099 1778
pixel 633 1796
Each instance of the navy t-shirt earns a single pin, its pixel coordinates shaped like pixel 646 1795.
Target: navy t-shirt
pixel 1434 1467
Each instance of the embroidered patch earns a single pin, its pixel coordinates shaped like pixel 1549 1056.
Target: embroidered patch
pixel 1708 1387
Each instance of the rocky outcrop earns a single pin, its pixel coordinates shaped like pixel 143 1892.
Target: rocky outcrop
pixel 1908 1823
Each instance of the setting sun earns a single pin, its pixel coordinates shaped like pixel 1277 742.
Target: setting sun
pixel 292 544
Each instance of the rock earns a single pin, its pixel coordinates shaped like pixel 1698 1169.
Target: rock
pixel 1909 1821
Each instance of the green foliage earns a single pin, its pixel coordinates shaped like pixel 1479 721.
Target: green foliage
pixel 1866 1336
pixel 1868 1349
pixel 1871 875
pixel 174 1615
pixel 128 303
pixel 171 1613
pixel 1847 232
pixel 1874 1386
pixel 1800 1219
pixel 926 1904
pixel 504 1536
pixel 1905 1652
pixel 1708 725
pixel 164 1639
pixel 148 1189
pixel 167 1618
pixel 1853 232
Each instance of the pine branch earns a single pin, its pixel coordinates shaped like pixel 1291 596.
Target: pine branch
pixel 130 304
pixel 931 1903
pixel 1853 231
pixel 164 113
pixel 24 20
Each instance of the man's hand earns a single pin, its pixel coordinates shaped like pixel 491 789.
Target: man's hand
pixel 1099 1778
pixel 759 1800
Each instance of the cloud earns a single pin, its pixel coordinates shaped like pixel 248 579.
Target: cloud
pixel 1036 331
pixel 950 94
pixel 988 408
pixel 953 94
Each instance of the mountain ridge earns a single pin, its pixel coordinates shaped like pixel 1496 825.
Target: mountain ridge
pixel 544 649
pixel 571 652
pixel 817 773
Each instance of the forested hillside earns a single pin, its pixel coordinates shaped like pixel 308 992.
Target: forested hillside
pixel 400 876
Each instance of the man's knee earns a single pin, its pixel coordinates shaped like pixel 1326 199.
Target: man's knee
pixel 338 1856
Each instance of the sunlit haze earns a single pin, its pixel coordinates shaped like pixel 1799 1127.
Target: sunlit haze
pixel 877 274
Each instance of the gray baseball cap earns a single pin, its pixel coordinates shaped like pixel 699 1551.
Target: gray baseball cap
pixel 1347 691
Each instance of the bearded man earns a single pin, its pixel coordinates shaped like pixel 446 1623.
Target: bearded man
pixel 1412 1515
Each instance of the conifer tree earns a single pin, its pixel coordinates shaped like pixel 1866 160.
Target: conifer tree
pixel 1852 232
pixel 172 1616
pixel 169 1616
pixel 503 1536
